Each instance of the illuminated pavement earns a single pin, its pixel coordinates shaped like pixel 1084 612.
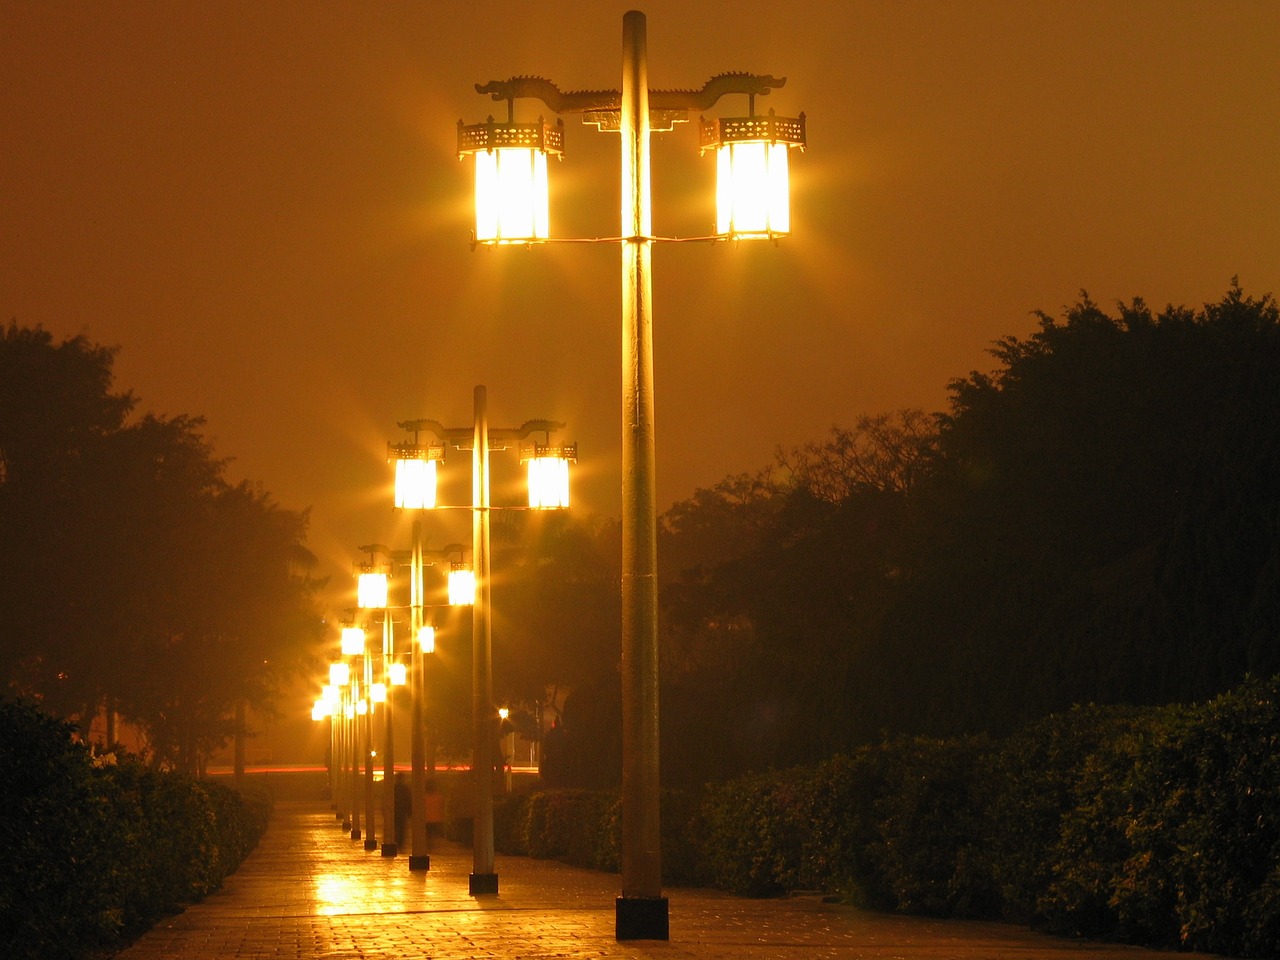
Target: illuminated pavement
pixel 309 891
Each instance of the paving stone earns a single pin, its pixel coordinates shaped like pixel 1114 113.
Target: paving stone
pixel 311 893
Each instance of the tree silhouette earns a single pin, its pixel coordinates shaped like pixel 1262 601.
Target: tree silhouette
pixel 133 573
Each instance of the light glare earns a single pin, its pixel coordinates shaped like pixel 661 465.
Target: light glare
pixel 415 484
pixel 752 189
pixel 352 641
pixel 512 203
pixel 371 591
pixel 462 587
pixel 548 482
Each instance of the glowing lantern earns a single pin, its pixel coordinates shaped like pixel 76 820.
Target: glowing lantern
pixel 548 474
pixel 398 674
pixel 371 590
pixel 378 692
pixel 339 674
pixel 427 639
pixel 462 586
pixel 511 177
pixel 321 709
pixel 352 641
pixel 362 708
pixel 753 191
pixel 415 473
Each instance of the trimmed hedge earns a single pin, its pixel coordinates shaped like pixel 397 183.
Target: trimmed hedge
pixel 94 849
pixel 1158 826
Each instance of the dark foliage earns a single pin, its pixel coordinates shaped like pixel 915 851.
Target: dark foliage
pixel 190 594
pixel 94 849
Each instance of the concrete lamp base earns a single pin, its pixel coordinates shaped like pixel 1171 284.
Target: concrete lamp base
pixel 642 918
pixel 390 849
pixel 484 884
pixel 420 861
pixel 371 843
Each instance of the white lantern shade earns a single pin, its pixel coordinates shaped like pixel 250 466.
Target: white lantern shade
pixel 352 641
pixel 378 692
pixel 512 204
pixel 371 591
pixel 462 587
pixel 548 482
pixel 427 639
pixel 753 193
pixel 398 674
pixel 416 484
pixel 753 172
pixel 339 674
pixel 362 707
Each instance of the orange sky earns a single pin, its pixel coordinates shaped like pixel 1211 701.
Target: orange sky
pixel 260 203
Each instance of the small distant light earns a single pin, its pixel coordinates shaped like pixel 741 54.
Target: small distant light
pixel 462 587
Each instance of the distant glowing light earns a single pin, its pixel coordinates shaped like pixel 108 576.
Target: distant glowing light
pixel 462 587
pixel 371 591
pixel 416 484
pixel 352 641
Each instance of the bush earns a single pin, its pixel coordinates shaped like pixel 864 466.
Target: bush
pixel 94 849
pixel 1156 825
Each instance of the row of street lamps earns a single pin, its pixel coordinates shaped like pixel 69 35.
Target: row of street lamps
pixel 415 488
pixel 511 204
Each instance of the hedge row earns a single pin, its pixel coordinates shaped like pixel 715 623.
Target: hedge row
pixel 1158 826
pixel 94 849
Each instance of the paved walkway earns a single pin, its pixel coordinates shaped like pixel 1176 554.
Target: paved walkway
pixel 310 893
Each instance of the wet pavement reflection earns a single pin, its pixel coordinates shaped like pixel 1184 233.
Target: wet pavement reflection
pixel 310 892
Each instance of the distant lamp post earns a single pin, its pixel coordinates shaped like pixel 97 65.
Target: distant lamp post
pixel 752 202
pixel 480 439
pixel 372 591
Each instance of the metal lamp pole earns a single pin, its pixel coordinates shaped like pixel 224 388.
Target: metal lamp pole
pixel 480 439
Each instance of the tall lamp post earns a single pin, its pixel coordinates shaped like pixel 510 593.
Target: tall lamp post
pixel 752 202
pixel 415 489
pixel 548 476
pixel 371 594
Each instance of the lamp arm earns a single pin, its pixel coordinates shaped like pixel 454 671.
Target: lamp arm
pixel 588 101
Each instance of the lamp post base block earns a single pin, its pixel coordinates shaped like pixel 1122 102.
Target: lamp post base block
pixel 390 849
pixel 419 861
pixel 355 833
pixel 642 918
pixel 371 843
pixel 484 884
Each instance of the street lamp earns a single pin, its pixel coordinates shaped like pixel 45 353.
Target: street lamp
pixel 480 439
pixel 372 588
pixel 752 201
pixel 373 591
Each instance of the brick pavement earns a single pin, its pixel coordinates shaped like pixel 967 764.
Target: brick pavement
pixel 310 893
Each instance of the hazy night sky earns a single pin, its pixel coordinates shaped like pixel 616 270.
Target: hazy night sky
pixel 260 204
